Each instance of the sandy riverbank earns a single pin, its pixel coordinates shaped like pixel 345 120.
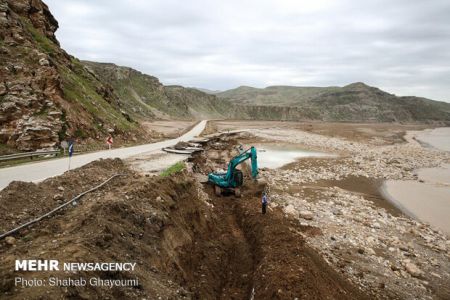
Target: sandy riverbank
pixel 428 197
pixel 438 138
pixel 426 202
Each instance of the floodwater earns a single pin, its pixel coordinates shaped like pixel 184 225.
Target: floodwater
pixel 275 157
pixel 438 138
pixel 429 198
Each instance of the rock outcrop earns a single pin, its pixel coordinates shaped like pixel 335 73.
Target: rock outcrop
pixel 45 94
pixel 30 86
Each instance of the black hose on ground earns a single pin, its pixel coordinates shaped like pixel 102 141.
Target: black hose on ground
pixel 59 207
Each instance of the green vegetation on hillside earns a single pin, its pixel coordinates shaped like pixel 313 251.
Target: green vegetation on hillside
pixel 79 87
pixel 43 42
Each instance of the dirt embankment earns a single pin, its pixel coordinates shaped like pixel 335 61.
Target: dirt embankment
pixel 186 242
pixel 133 219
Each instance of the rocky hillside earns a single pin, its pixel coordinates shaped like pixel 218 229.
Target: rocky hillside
pixel 143 95
pixel 45 94
pixel 356 102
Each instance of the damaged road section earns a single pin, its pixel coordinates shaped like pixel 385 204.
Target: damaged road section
pixel 185 242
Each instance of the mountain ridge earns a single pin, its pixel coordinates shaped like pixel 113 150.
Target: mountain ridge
pixel 354 102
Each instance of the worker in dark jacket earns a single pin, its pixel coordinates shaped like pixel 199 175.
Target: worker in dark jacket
pixel 264 203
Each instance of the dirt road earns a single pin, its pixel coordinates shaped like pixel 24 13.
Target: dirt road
pixel 42 170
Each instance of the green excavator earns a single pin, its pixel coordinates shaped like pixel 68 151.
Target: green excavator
pixel 233 179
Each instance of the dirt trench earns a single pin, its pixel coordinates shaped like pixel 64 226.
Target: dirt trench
pixel 260 256
pixel 187 244
pixel 247 255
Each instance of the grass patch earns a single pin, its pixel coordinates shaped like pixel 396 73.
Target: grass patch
pixel 44 43
pixel 5 149
pixel 79 133
pixel 178 167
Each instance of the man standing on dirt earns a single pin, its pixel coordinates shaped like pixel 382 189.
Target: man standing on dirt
pixel 264 203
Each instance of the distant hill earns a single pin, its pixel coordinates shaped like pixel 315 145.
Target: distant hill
pixel 355 102
pixel 273 95
pixel 212 92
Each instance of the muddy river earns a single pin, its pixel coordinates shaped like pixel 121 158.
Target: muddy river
pixel 429 198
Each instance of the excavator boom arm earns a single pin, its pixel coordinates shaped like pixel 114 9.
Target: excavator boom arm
pixel 248 154
pixel 229 179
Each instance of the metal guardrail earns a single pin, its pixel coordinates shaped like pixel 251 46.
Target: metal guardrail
pixel 51 152
pixel 28 154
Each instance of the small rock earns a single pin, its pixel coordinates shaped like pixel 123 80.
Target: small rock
pixel 44 62
pixel 403 248
pixel 394 268
pixel 436 275
pixel 413 270
pixel 370 251
pixel 290 210
pixel 10 240
pixel 337 212
pixel 370 239
pixel 60 188
pixel 376 225
pixel 57 197
pixel 360 250
pixel 307 215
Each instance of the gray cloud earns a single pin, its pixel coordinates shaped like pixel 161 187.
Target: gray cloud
pixel 400 46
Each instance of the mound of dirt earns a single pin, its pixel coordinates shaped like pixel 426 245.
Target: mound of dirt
pixel 133 219
pixel 23 201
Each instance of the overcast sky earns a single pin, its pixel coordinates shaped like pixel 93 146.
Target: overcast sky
pixel 401 46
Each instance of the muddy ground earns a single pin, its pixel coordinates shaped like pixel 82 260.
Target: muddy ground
pixel 380 133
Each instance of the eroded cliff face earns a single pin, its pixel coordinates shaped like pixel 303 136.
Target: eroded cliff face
pixel 45 94
pixel 30 86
